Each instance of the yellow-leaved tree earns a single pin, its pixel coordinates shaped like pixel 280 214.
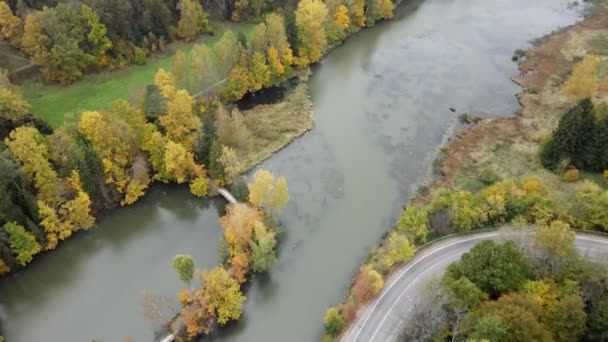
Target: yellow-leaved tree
pixel 584 79
pixel 180 123
pixel 193 20
pixel 11 26
pixel 165 81
pixel 266 191
pixel 311 17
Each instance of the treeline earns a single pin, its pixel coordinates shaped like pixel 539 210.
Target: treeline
pixel 55 181
pixel 526 201
pixel 249 241
pixel 70 39
pixel 537 290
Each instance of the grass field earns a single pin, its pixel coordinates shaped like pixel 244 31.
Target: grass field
pixel 96 91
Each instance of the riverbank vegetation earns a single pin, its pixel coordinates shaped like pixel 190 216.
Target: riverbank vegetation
pixel 545 167
pixel 249 241
pixel 184 128
pixel 536 289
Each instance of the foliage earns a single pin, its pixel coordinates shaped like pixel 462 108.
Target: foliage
pixel 367 284
pixel 493 268
pixel 193 20
pixel 12 104
pixel 464 209
pixel 268 192
pixel 414 223
pixel 22 243
pixel 11 26
pixel 398 249
pixel 311 17
pixel 333 322
pixel 184 266
pixel 231 163
pixel 584 80
pixel 225 299
pixel 263 248
pixel 598 322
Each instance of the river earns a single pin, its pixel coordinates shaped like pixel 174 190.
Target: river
pixel 381 102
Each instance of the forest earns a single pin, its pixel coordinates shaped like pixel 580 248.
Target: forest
pixel 535 290
pixel 58 180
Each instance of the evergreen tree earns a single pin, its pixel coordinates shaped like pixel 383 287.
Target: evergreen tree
pixel 571 140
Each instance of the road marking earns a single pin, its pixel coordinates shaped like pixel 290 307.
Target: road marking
pixel 405 270
pixel 369 312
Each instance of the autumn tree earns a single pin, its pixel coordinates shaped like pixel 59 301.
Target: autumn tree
pixel 11 26
pixel 231 129
pixel 96 34
pixel 378 10
pixel 367 284
pixel 266 191
pixel 27 146
pixel 12 105
pixel 260 72
pixel 165 81
pixel 566 318
pixel 22 243
pixel 193 20
pixel 184 266
pixel 203 73
pixel 227 51
pixel 181 123
pixel 231 163
pixel 584 80
pixel 178 63
pixel 414 222
pixel 311 17
pixel 225 300
pixel 555 243
pixel 398 249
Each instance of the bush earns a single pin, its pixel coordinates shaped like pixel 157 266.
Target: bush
pixel 414 223
pixel 464 209
pixel 488 176
pixel 140 56
pixel 333 322
pixel 368 283
pixel 571 176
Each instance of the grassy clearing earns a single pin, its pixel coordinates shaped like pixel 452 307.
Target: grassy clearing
pixel 274 126
pixel 96 91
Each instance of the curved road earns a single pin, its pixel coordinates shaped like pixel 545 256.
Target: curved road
pixel 382 318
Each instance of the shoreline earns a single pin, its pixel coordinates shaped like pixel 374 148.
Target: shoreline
pixel 461 157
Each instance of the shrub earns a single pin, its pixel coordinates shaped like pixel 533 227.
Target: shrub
pixel 414 223
pixel 464 209
pixel 368 283
pixel 333 322
pixel 571 176
pixel 140 56
pixel 488 176
pixel 397 249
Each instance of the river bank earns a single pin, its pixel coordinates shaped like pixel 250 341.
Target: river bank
pixel 487 153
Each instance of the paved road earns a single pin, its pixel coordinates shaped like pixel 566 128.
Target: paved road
pixel 382 318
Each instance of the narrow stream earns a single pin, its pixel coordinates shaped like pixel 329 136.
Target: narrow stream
pixel 382 107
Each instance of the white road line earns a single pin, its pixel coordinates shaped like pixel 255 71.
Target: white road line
pixel 405 270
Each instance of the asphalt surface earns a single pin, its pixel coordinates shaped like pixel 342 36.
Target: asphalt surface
pixel 382 319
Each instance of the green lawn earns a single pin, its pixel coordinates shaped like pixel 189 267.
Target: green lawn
pixel 96 91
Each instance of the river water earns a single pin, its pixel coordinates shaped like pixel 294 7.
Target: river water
pixel 381 102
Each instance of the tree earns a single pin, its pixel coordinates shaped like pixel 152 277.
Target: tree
pixel 184 266
pixel 520 314
pixel 464 293
pixel 27 147
pixel 96 35
pixel 239 223
pixel 12 105
pixel 231 129
pixel 180 123
pixel 227 51
pixel 566 319
pixel 280 195
pixel 11 27
pixel 584 81
pixel 263 248
pixel 231 163
pixel 203 67
pixel 571 138
pixel 493 268
pixel 193 20
pixel 414 223
pixel 367 284
pixel 258 40
pixel 491 328
pixel 165 81
pixel 397 250
pixel 225 299
pixel 260 72
pixel 261 187
pixel 216 168
pixel 598 322
pixel 333 322
pixel 555 242
pixel 23 243
pixel 311 17
pixel 179 63
pixel 379 9
pixel 240 82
